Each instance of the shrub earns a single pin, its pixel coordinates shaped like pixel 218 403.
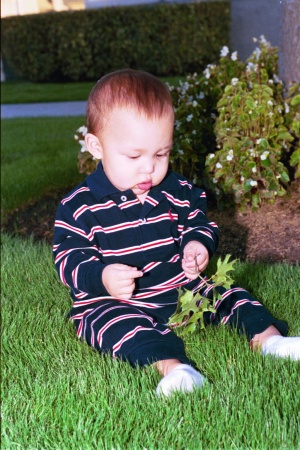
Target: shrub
pixel 164 39
pixel 252 134
pixel 236 129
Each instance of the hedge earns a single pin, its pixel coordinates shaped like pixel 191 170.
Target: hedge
pixel 164 39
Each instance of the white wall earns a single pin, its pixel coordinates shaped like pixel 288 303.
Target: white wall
pixel 18 7
pixel 101 3
pixel 252 18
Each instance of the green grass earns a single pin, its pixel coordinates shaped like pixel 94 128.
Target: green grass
pixel 26 92
pixel 57 393
pixel 37 155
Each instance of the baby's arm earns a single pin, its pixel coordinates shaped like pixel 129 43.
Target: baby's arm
pixel 200 236
pixel 119 280
pixel 195 259
pixel 79 263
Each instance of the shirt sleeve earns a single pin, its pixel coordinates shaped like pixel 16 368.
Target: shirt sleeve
pixel 76 256
pixel 197 227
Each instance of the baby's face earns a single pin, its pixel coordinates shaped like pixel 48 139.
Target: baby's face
pixel 135 150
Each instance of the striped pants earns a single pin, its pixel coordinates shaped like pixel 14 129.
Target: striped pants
pixel 141 336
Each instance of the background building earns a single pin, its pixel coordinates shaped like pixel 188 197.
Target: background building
pixel 21 7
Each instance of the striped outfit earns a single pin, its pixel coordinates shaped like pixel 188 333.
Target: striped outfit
pixel 96 225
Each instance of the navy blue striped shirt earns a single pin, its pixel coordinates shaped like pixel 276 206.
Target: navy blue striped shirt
pixel 96 224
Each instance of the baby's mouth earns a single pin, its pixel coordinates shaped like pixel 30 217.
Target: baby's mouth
pixel 145 186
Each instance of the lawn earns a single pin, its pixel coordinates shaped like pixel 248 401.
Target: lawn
pixel 37 155
pixel 26 92
pixel 57 393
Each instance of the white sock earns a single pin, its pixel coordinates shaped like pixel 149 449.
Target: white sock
pixel 286 347
pixel 182 378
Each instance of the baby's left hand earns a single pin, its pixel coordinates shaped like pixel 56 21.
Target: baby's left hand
pixel 195 259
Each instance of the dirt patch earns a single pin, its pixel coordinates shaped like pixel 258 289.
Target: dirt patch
pixel 272 234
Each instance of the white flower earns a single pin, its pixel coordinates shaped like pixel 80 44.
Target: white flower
pixel 224 52
pixel 206 73
pixel 234 56
pixel 257 53
pixel 251 67
pixel 270 103
pixel 271 82
pixel 234 81
pixel 219 166
pixel 264 155
pixel 215 180
pixel 76 137
pixel 181 152
pixel 263 40
pixel 189 117
pixel 254 169
pixel 194 103
pixel 194 132
pixel 83 130
pixel 229 157
pixel 83 149
pixel 217 191
pixel 200 96
pixel 242 178
pixel 254 39
pixel 286 108
pixel 271 114
pixel 253 152
pixel 211 155
pixel 177 124
pixel 82 143
pixel 253 182
pixel 258 141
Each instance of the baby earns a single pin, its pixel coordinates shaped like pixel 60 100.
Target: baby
pixel 134 232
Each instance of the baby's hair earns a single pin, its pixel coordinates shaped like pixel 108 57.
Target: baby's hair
pixel 127 88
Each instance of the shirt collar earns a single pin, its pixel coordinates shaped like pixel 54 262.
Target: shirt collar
pixel 102 187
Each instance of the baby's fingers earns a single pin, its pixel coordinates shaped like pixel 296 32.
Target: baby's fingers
pixel 130 274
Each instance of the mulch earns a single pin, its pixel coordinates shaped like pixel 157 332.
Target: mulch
pixel 271 234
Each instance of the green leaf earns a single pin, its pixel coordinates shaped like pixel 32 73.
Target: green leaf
pixel 296 100
pixel 221 277
pixel 284 176
pixel 285 135
pixel 295 158
pixel 191 307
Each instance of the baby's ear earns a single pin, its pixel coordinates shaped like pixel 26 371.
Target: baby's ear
pixel 93 145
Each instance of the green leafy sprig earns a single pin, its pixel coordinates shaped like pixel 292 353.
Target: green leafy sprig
pixel 192 306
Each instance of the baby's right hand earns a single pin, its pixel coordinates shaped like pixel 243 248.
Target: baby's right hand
pixel 118 280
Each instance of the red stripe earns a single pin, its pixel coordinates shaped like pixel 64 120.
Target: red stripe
pixel 83 189
pixel 140 248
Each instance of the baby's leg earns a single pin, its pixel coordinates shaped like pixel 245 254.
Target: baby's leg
pixel 129 333
pixel 240 310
